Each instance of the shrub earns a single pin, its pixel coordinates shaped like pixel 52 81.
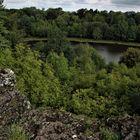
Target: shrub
pixel 17 133
pixel 108 134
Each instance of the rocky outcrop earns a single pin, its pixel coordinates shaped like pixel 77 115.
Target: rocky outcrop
pixel 12 104
pixel 49 124
pixel 57 125
pixel 128 127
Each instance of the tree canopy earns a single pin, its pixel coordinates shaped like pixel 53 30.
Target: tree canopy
pixel 69 77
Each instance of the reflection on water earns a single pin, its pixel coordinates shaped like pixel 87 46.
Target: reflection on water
pixel 110 53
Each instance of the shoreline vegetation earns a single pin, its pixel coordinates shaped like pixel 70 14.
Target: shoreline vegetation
pixel 86 40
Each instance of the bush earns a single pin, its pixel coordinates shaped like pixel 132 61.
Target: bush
pixel 108 134
pixel 131 57
pixel 17 133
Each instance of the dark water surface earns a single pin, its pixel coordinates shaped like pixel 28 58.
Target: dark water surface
pixel 111 53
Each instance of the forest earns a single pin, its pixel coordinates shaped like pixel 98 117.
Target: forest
pixel 98 25
pixel 75 79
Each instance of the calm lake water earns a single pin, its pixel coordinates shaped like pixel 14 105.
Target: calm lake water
pixel 111 53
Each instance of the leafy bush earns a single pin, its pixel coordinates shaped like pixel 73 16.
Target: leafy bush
pixel 108 134
pixel 87 101
pixel 131 57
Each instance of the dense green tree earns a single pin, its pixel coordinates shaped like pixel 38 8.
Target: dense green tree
pixel 55 95
pixel 4 43
pixel 138 33
pixel 137 18
pixel 30 11
pixel 120 30
pixel 29 75
pixel 6 58
pixel 88 17
pixel 76 30
pixel 87 101
pixel 39 46
pixel 60 65
pixel 131 57
pixel 97 33
pixel 25 24
pixel 83 58
pixel 52 14
pixel 132 33
pixel 134 96
pixel 98 60
pixel 81 12
pixel 56 40
pixel 39 31
pixel 63 21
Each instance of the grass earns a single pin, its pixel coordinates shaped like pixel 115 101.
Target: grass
pixel 107 42
pixel 85 40
pixel 17 133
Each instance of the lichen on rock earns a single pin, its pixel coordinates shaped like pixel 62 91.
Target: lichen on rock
pixel 7 78
pixel 12 104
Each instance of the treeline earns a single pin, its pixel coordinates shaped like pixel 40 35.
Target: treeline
pixel 100 25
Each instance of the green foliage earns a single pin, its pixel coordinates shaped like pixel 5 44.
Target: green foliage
pixel 60 65
pixel 6 58
pixel 56 39
pixel 132 32
pixel 39 46
pixel 108 134
pixel 82 23
pixel 15 35
pixel 134 96
pixel 97 33
pixel 138 33
pixel 37 30
pixel 55 94
pixel 17 133
pixel 33 82
pixel 4 43
pixel 53 13
pixel 83 58
pixel 98 60
pixel 80 88
pixel 41 87
pixel 131 57
pixel 87 101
